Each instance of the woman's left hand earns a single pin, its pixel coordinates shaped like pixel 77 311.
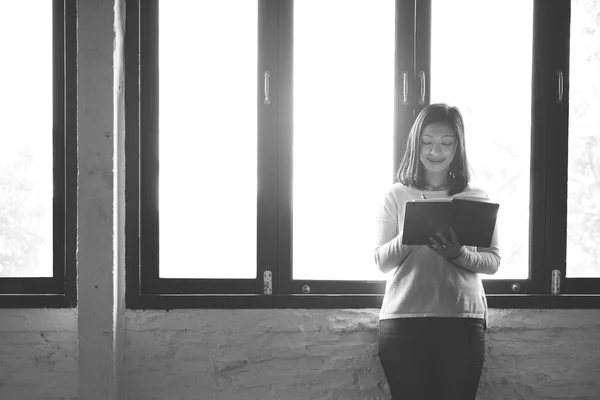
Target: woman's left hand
pixel 448 250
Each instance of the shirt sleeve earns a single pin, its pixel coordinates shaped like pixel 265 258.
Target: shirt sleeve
pixel 389 251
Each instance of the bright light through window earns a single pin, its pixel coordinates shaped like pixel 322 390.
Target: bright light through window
pixel 483 66
pixel 26 135
pixel 583 220
pixel 207 149
pixel 343 134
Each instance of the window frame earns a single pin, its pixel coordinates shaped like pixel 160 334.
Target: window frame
pixel 58 291
pixel 557 172
pixel 146 290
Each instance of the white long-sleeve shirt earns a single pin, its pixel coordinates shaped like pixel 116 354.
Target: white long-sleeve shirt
pixel 420 282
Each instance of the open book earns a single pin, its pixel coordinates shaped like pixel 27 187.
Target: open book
pixel 473 221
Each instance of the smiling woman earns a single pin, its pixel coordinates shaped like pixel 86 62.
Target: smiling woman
pixel 437 287
pixel 438 145
pixel 436 158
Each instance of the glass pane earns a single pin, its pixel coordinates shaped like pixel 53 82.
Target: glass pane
pixel 583 215
pixel 208 183
pixel 484 69
pixel 26 150
pixel 343 134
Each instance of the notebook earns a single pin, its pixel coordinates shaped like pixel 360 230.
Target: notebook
pixel 473 221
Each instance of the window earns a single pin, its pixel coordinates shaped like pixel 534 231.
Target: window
pixel 279 128
pixel 217 195
pixel 38 164
pixel 491 62
pixel 582 269
pixel 343 124
pixel 583 216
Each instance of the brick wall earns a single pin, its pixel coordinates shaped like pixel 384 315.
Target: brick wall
pixel 38 354
pixel 322 354
pixel 290 354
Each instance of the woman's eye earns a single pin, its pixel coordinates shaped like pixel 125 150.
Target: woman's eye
pixel 426 143
pixel 448 143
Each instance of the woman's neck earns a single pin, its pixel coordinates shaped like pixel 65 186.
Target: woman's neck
pixel 435 181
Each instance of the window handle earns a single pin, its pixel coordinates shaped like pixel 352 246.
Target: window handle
pixel 559 95
pixel 405 88
pixel 267 89
pixel 423 87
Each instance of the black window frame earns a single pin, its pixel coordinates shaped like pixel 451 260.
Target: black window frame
pixel 413 23
pixel 58 291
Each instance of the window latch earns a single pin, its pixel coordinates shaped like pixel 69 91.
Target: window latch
pixel 267 282
pixel 555 285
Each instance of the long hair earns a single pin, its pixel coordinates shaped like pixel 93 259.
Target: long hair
pixel 410 173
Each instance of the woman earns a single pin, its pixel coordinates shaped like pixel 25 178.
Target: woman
pixel 434 312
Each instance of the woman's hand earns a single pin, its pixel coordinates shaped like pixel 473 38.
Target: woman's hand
pixel 448 250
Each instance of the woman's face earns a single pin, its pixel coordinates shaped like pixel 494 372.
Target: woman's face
pixel 438 146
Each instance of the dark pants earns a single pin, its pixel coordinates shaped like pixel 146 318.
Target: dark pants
pixel 432 358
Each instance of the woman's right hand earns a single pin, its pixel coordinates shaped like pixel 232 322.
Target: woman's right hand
pixel 450 250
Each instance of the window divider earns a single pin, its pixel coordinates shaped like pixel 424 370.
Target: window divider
pixel 422 38
pixel 149 131
pixel 68 214
pixel 271 163
pixel 284 282
pixel 404 78
pixel 133 271
pixel 556 26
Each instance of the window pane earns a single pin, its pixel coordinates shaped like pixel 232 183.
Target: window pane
pixel 343 134
pixel 26 151
pixel 583 216
pixel 484 69
pixel 207 148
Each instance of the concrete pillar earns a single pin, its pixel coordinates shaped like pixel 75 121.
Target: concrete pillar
pixel 99 270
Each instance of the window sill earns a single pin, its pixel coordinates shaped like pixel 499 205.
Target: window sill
pixel 37 301
pixel 504 301
pixel 544 301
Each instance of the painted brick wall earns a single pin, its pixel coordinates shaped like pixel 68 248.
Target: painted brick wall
pixel 290 354
pixel 38 354
pixel 322 354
